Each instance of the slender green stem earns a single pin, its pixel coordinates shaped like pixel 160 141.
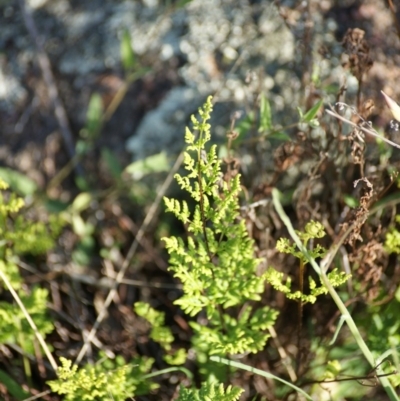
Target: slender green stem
pixel 187 372
pixel 25 360
pixel 259 372
pixel 335 296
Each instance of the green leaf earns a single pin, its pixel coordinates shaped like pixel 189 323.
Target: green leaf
pixel 13 387
pixel 179 357
pixel 112 163
pixel 265 115
pixel 84 251
pixel 94 116
pixel 245 125
pixel 55 205
pixel 210 391
pixel 80 227
pixel 18 182
pixel 310 115
pixel 300 113
pixel 280 136
pixel 81 202
pixel 82 146
pixel 152 164
pixel 127 54
pixel 350 201
pixel 82 183
pixel 182 3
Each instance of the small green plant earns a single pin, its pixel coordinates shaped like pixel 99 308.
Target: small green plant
pixel 91 383
pixel 312 230
pixel 160 333
pixel 216 263
pixel 18 236
pixel 108 379
pixel 210 392
pixel 392 240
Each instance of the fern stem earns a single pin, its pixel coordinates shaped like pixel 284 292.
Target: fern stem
pixel 203 217
pixel 300 318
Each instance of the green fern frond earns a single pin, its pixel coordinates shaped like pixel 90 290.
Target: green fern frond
pixel 210 392
pixel 13 326
pixel 245 334
pixel 159 332
pixel 216 263
pixel 312 230
pixel 109 380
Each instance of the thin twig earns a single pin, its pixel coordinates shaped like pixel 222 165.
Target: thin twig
pixel 366 130
pixel 37 396
pixel 29 319
pixel 286 360
pixel 55 100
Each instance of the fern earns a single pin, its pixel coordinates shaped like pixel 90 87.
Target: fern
pixel 216 263
pixel 312 230
pixel 160 333
pixel 210 392
pixel 109 380
pixel 13 326
pixel 19 235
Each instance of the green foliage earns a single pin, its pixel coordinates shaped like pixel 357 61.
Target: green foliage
pixel 151 164
pixel 110 379
pixel 21 236
pixel 176 358
pixel 13 326
pixel 244 334
pixel 91 383
pixel 384 330
pixel 139 368
pixel 336 363
pixel 93 118
pixel 216 263
pixel 10 269
pixel 83 228
pixel 18 182
pixel 312 230
pixel 265 115
pixel 35 238
pixel 159 332
pixel 392 240
pixel 94 122
pixel 13 387
pixel 210 392
pixel 127 54
pixel 309 117
pixel 113 164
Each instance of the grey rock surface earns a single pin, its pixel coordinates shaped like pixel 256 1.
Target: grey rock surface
pixel 162 128
pixel 232 49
